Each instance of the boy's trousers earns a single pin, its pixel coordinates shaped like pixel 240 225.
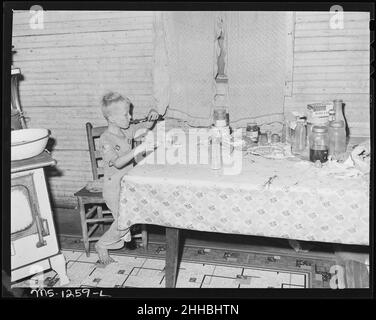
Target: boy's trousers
pixel 113 238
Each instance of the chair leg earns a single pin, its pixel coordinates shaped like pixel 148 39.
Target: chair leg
pixel 144 237
pixel 100 216
pixel 85 237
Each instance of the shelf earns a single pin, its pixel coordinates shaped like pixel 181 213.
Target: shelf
pixel 42 160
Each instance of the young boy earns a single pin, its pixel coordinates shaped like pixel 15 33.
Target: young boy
pixel 116 148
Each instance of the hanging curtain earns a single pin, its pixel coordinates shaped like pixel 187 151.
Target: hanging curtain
pixel 183 65
pixel 256 65
pixel 161 79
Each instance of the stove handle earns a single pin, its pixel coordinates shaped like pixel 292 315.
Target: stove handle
pixel 41 232
pixel 46 230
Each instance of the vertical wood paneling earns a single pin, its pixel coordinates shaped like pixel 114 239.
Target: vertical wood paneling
pixel 332 64
pixel 67 66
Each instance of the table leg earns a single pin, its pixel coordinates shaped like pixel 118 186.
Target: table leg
pixel 172 255
pixel 144 234
pixel 355 265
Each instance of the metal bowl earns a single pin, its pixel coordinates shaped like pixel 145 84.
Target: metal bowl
pixel 28 143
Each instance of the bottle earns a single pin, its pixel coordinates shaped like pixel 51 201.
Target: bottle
pixel 319 144
pixel 220 117
pixel 216 160
pixel 292 128
pixel 337 138
pixel 338 108
pixel 300 137
pixel 284 132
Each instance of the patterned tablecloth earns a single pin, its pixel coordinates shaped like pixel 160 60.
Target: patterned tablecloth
pixel 272 198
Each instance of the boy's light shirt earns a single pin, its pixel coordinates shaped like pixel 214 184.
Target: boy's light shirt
pixel 113 146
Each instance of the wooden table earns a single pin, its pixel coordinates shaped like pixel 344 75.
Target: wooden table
pixel 271 198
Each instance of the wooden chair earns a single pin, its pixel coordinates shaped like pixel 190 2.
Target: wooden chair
pixel 92 206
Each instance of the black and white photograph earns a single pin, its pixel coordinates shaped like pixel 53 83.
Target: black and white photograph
pixel 204 148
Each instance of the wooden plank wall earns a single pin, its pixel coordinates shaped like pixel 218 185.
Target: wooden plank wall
pixel 67 66
pixel 332 63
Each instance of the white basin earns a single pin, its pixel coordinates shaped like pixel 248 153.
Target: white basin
pixel 28 143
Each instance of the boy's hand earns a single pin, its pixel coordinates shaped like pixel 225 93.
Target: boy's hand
pixel 153 115
pixel 139 149
pixel 147 145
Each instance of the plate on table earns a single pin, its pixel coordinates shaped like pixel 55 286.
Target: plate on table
pixel 270 152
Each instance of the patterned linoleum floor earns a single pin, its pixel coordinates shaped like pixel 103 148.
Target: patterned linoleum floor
pixel 143 271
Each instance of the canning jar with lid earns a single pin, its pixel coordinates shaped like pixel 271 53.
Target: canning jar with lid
pixel 253 131
pixel 319 144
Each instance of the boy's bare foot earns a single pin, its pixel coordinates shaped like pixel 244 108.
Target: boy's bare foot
pixel 132 245
pixel 104 258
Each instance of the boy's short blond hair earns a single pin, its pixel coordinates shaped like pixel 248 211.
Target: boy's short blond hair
pixel 110 98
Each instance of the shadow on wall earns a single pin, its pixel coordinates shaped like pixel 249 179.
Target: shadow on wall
pixel 52 171
pixel 50 144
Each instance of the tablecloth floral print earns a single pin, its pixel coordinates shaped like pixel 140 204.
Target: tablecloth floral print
pixel 322 209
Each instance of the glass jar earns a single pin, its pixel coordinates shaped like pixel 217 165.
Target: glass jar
pixel 300 138
pixel 220 117
pixel 253 131
pixel 275 138
pixel 321 122
pixel 319 144
pixel 263 139
pixel 337 138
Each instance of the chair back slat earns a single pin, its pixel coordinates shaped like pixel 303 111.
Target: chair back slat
pixel 92 134
pixel 100 171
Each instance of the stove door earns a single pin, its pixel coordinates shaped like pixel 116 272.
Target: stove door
pixel 21 209
pixel 32 232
